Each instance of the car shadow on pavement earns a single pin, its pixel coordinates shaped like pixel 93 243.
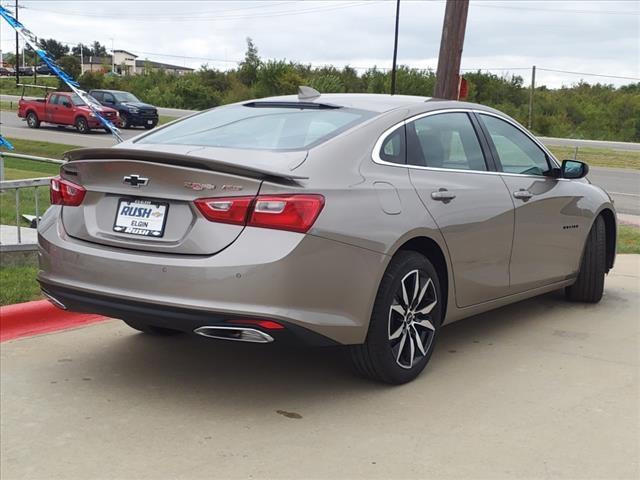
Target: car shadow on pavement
pixel 226 375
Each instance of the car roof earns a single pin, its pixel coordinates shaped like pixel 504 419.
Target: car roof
pixel 375 102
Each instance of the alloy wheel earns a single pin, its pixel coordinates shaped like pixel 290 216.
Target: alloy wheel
pixel 410 327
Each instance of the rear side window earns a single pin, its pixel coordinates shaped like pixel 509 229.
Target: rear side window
pixel 446 140
pixel 265 128
pixel 393 148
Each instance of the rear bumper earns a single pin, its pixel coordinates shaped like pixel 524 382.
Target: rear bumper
pixel 182 319
pixel 320 285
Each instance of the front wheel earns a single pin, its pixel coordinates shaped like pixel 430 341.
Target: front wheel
pixel 82 125
pixel 32 120
pixel 149 127
pixel 124 121
pixel 404 323
pixel 589 285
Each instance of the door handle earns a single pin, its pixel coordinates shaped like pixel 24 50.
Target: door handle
pixel 443 195
pixel 523 194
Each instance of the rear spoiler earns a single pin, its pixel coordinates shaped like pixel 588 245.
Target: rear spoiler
pixel 181 160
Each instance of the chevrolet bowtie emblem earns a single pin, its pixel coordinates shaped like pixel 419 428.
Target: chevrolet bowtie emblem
pixel 136 181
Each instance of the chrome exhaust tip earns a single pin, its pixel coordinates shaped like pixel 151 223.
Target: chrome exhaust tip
pixel 54 300
pixel 237 334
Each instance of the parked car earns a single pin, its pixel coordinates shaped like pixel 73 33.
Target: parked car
pixel 26 71
pixel 43 70
pixel 133 112
pixel 63 108
pixel 7 71
pixel 367 221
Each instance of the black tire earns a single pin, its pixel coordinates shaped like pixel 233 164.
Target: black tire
pixel 149 127
pixel 124 121
pixel 150 329
pixel 32 120
pixel 380 356
pixel 82 125
pixel 589 285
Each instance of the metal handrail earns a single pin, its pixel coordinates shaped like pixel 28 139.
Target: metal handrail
pixel 17 185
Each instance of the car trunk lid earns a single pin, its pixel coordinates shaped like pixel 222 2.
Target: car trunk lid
pixel 143 199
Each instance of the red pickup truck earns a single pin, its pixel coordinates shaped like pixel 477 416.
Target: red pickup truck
pixel 64 108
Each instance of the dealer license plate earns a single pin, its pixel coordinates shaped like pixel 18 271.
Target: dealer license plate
pixel 141 217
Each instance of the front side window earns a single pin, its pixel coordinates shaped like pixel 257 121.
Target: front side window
pixel 263 127
pixel 98 96
pixel 445 140
pixel 516 151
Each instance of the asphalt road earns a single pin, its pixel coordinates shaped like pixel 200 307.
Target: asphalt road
pixel 624 185
pixel 541 389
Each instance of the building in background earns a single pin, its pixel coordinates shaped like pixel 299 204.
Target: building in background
pixel 126 63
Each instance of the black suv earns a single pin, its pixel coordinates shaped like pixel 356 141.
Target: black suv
pixel 132 111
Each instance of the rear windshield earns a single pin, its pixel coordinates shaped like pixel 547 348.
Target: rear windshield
pixel 265 128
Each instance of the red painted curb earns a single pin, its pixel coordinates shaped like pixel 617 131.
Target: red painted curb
pixel 34 318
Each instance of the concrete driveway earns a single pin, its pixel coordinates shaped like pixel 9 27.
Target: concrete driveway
pixel 541 389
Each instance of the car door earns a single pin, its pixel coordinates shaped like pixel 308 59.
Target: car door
pixel 469 203
pixel 551 218
pixel 50 107
pixel 65 112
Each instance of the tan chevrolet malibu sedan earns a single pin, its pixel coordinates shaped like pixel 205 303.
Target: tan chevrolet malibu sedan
pixel 367 221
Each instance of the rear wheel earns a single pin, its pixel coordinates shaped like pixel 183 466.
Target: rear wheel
pixel 82 125
pixel 150 329
pixel 589 285
pixel 404 323
pixel 32 120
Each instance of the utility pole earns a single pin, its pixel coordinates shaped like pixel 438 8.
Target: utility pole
pixel 113 58
pixel 395 50
pixel 533 87
pixel 17 65
pixel 453 29
pixel 81 60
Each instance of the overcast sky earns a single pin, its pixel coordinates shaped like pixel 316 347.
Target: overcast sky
pixel 601 37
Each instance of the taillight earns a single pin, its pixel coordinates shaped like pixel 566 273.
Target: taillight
pixel 296 213
pixel 64 192
pixel 225 210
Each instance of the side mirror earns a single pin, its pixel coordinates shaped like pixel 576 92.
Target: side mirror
pixel 574 169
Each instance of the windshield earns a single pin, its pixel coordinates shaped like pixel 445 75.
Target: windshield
pixel 266 128
pixel 125 97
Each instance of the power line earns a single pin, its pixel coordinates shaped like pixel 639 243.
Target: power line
pixel 588 74
pixel 222 18
pixel 557 10
pixel 154 16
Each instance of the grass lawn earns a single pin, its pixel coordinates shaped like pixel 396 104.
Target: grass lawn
pixel 18 284
pixel 628 239
pixel 166 119
pixel 10 106
pixel 18 168
pixel 8 86
pixel 599 157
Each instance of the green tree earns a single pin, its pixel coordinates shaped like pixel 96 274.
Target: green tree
pixel 248 68
pixel 54 48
